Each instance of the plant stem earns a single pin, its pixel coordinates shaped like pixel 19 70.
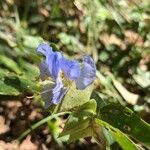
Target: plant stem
pixel 36 125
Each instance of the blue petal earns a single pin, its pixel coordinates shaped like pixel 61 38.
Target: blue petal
pixel 52 61
pixel 44 73
pixel 47 95
pixel 53 95
pixel 44 49
pixel 51 64
pixel 88 73
pixel 58 92
pixel 70 68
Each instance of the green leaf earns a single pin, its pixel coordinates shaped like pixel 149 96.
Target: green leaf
pixel 75 98
pixel 33 40
pixel 14 85
pixel 30 70
pixel 127 121
pixel 71 42
pixel 8 90
pixel 78 123
pixel 81 124
pixel 9 63
pixel 119 136
pixel 20 83
pixel 110 139
pixel 7 39
pixel 3 72
pixel 87 132
pixel 80 119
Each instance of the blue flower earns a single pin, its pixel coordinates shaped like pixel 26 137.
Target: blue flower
pixel 55 65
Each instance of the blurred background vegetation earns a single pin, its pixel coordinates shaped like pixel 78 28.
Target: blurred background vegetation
pixel 115 33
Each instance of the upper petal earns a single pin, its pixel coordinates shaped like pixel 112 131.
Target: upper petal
pixel 70 68
pixel 88 73
pixel 44 49
pixel 51 64
pixel 52 61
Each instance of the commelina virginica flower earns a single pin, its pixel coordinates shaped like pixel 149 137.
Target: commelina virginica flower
pixel 55 64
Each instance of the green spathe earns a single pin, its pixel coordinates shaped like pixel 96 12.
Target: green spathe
pixel 75 98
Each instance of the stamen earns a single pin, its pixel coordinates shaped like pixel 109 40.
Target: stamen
pixel 66 82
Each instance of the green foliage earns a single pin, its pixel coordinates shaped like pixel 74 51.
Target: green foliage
pixel 119 136
pixel 10 64
pixel 7 89
pixel 78 123
pixel 14 85
pixel 17 52
pixel 127 121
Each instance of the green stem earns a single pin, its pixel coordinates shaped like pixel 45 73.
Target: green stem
pixel 17 19
pixel 36 125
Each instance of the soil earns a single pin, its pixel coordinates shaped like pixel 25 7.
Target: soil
pixel 17 116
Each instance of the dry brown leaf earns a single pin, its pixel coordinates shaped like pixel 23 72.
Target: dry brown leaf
pixel 44 12
pixel 130 98
pixel 132 37
pixel 111 39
